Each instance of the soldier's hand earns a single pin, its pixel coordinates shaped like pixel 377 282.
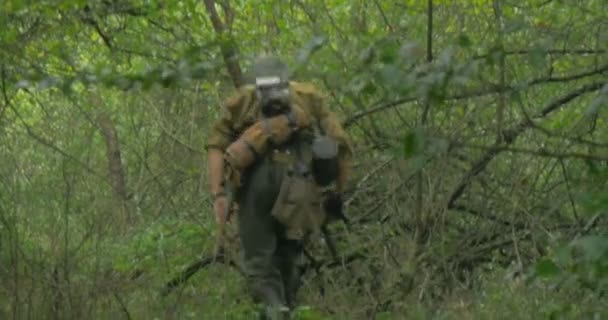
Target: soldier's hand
pixel 220 206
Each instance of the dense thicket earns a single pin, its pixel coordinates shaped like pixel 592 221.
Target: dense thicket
pixel 480 187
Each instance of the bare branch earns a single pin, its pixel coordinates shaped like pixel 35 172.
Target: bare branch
pixel 90 20
pixel 551 51
pixel 549 133
pixel 502 73
pixel 540 152
pixel 53 147
pixel 511 135
pixel 6 99
pixel 569 189
pixel 363 180
pixel 384 17
pixel 487 216
pixel 473 94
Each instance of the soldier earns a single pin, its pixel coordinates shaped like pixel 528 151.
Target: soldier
pixel 284 158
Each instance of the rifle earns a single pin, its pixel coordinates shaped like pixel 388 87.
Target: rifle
pixel 333 206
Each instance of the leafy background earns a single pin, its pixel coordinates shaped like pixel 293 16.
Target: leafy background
pixel 481 174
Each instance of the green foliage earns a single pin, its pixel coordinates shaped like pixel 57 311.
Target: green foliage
pixel 104 109
pixel 580 263
pixel 500 298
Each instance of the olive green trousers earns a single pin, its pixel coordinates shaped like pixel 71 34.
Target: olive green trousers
pixel 269 259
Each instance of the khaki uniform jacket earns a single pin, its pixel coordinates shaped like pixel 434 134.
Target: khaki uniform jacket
pixel 242 109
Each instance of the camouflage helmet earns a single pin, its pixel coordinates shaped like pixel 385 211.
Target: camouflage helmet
pixel 270 69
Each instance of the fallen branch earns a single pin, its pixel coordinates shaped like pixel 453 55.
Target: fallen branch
pixel 192 269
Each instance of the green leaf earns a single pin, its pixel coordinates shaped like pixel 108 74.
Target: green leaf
pixel 307 313
pixel 594 247
pixel 600 101
pixel 413 143
pixel 385 315
pixel 463 40
pixel 388 53
pixel 311 47
pixel 514 25
pixel 547 269
pixel 537 56
pixel 563 255
pixel 538 53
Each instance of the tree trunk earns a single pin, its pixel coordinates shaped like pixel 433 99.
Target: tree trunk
pixel 117 176
pixel 113 154
pixel 421 219
pixel 227 45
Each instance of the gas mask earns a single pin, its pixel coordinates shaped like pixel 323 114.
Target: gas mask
pixel 273 95
pixel 272 85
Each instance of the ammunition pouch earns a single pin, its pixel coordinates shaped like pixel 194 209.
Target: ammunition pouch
pixel 299 205
pixel 325 166
pixel 302 205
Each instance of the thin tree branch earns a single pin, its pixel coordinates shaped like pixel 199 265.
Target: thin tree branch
pixel 421 227
pixel 573 77
pixel 123 307
pixel 511 135
pixel 227 45
pixel 567 180
pixel 363 180
pixel 429 51
pixel 501 66
pixel 540 152
pixel 50 145
pixel 90 20
pixel 383 15
pixel 364 217
pixel 551 51
pixel 6 99
pixel 472 94
pixel 551 134
pixel 487 216
pixel 591 223
pixel 193 268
